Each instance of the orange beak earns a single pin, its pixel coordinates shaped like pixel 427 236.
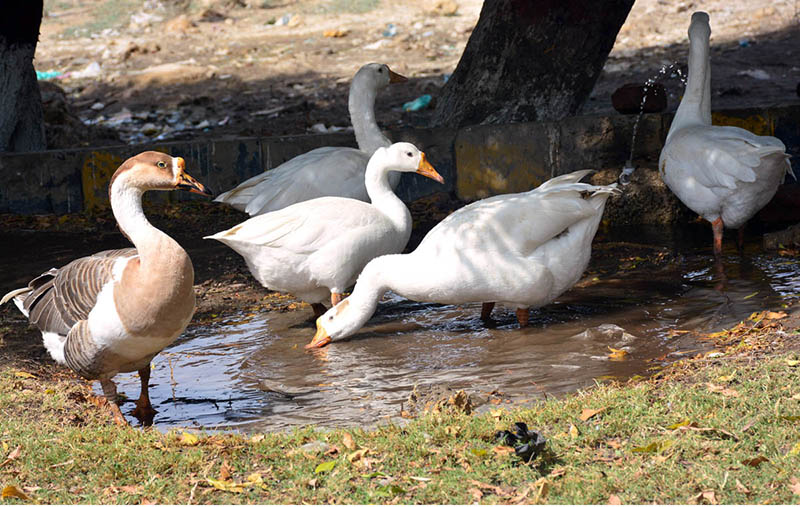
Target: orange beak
pixel 186 182
pixel 394 77
pixel 320 339
pixel 426 169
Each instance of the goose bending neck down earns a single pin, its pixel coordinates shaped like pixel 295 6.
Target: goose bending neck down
pixel 327 171
pixel 315 249
pixel 113 311
pixel 523 250
pixel 724 174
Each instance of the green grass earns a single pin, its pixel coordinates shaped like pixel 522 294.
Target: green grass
pixel 729 431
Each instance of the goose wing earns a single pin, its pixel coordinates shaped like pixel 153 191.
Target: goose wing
pixel 721 156
pixel 330 170
pixel 61 297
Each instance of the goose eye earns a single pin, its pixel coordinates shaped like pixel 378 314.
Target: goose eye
pixel 380 69
pixel 162 164
pixel 409 154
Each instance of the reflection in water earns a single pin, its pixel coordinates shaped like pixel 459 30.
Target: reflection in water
pixel 212 377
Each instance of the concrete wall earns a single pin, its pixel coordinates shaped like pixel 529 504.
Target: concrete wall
pixel 475 161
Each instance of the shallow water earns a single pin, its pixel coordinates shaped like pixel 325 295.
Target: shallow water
pixel 211 377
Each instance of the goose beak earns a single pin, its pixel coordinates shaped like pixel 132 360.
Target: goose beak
pixel 186 182
pixel 320 339
pixel 426 169
pixel 394 77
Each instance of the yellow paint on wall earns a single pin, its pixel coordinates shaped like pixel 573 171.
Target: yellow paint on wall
pixel 98 167
pixel 757 124
pixel 480 176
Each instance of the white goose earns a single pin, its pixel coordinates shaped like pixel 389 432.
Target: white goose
pixel 331 170
pixel 113 311
pixel 520 249
pixel 317 248
pixel 724 174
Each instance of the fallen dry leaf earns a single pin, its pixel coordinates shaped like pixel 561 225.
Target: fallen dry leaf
pixel 13 492
pixel 725 391
pixel 226 486
pixel 225 471
pixel 617 354
pixel 188 439
pixel 335 33
pixel 588 413
pixel 502 450
pixel 794 485
pixel 708 496
pixel 476 494
pixel 741 488
pixel 614 500
pixel 24 374
pixel 754 462
pixel 573 430
pixel 347 440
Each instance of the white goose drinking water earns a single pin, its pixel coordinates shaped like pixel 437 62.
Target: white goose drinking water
pixel 315 249
pixel 724 174
pixel 113 311
pixel 327 171
pixel 522 250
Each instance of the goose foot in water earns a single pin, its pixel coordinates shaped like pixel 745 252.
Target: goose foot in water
pixel 522 316
pixel 717 227
pixel 486 311
pixel 740 238
pixel 110 393
pixel 144 410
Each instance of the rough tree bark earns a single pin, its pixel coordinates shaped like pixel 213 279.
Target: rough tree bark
pixel 530 60
pixel 21 124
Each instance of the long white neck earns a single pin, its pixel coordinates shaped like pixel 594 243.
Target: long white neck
pixel 361 104
pixel 369 289
pixel 126 204
pixel 379 189
pixel 695 107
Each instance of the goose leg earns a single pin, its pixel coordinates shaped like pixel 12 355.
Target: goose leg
pixel 110 393
pixel 486 311
pixel 319 309
pixel 144 411
pixel 717 226
pixel 335 298
pixel 522 316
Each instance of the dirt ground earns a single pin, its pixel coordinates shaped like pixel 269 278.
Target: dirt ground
pixel 180 69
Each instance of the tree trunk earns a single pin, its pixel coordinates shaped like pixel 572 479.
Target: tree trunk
pixel 530 60
pixel 21 124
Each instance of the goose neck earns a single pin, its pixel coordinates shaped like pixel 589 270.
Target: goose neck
pixel 379 189
pixel 695 106
pixel 361 104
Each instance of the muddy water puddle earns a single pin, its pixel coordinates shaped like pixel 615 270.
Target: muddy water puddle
pixel 252 373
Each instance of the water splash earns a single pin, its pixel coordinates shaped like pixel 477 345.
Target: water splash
pixel 627 170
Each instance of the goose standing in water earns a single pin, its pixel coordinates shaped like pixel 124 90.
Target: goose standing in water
pixel 327 171
pixel 523 250
pixel 113 311
pixel 724 174
pixel 315 249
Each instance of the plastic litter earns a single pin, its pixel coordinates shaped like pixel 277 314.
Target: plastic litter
pixel 391 30
pixel 418 104
pixel 42 76
pixel 755 74
pixel 91 70
pixel 527 443
pixel 743 43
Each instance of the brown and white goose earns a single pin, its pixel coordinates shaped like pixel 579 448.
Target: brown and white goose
pixel 113 311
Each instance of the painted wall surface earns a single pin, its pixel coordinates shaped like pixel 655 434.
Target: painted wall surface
pixel 476 161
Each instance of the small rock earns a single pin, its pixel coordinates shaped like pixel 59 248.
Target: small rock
pixel 149 129
pixel 755 74
pixel 294 21
pixel 98 106
pixel 627 99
